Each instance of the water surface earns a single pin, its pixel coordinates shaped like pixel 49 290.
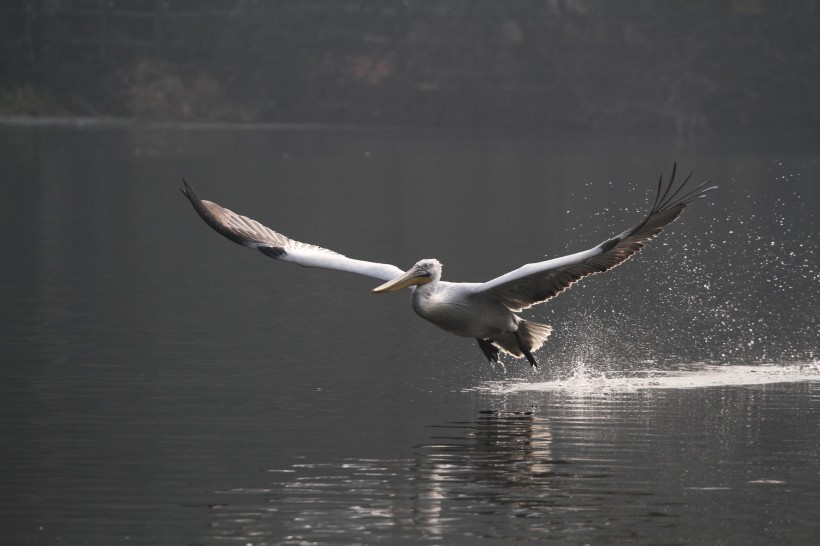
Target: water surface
pixel 160 385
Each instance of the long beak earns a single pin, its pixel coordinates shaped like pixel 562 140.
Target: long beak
pixel 411 278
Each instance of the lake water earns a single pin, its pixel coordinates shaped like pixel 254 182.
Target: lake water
pixel 161 385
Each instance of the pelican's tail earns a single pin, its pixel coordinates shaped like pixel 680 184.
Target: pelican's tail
pixel 529 338
pixel 534 334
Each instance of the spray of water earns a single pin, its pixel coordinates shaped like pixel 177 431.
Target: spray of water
pixel 734 284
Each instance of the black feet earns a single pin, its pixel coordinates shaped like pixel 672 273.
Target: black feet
pixel 489 350
pixel 525 350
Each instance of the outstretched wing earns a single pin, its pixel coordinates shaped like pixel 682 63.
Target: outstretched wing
pixel 250 233
pixel 537 282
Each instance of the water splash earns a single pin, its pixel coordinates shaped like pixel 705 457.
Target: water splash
pixel 734 282
pixel 687 376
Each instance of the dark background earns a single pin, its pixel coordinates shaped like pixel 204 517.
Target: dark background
pixel 691 67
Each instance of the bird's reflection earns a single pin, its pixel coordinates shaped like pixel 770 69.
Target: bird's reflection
pixel 479 462
pixel 499 465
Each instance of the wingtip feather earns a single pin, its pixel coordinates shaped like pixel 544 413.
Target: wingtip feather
pixel 188 191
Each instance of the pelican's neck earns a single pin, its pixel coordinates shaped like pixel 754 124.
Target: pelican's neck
pixel 428 289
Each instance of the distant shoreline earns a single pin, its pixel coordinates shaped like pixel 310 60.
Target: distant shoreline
pixel 778 137
pixel 93 122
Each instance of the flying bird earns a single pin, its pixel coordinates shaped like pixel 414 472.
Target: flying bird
pixel 484 311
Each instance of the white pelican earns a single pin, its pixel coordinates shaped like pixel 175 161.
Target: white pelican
pixel 484 311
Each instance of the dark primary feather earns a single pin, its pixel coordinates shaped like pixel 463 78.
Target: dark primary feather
pixel 243 230
pixel 671 199
pixel 250 233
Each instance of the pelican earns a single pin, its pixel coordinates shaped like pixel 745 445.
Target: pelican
pixel 484 311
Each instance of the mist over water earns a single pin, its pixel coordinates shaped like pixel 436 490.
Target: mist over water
pixel 162 385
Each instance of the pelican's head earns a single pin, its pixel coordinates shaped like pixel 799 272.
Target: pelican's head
pixel 424 271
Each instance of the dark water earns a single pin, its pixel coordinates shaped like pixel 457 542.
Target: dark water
pixel 160 385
